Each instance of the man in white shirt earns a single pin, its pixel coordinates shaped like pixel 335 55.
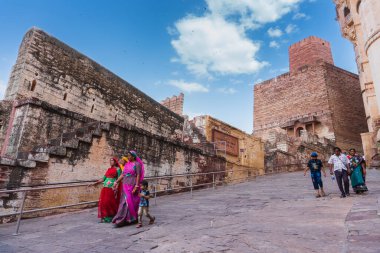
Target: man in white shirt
pixel 339 162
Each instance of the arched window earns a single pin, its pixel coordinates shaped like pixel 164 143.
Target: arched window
pixel 346 11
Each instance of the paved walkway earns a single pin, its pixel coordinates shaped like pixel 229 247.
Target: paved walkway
pixel 270 214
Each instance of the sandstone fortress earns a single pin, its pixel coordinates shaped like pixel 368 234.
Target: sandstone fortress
pixel 314 97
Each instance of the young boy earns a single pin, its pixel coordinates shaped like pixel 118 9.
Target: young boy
pixel 144 204
pixel 315 166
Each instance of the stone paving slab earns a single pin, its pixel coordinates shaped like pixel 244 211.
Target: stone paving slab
pixel 276 213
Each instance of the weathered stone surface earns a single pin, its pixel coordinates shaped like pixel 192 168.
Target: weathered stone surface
pixel 271 214
pixel 60 75
pixel 26 163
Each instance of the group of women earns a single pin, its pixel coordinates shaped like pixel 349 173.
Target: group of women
pixel 119 198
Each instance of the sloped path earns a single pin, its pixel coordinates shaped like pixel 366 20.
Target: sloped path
pixel 275 213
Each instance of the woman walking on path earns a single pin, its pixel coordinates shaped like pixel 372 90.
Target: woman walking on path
pixel 108 200
pixel 339 162
pixel 131 178
pixel 358 172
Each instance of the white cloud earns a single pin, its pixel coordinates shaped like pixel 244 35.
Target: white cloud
pixel 216 43
pixel 291 28
pixel 274 32
pixel 236 81
pixel 188 86
pixel 226 90
pixel 274 44
pixel 210 44
pixel 300 15
pixel 253 13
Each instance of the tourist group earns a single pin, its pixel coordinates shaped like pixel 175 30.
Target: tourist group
pixel 124 197
pixel 342 167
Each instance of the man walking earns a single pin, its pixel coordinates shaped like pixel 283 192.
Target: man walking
pixel 340 163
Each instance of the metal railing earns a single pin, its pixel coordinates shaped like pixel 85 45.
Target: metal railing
pixel 191 186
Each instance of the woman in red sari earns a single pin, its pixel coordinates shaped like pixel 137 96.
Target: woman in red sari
pixel 108 200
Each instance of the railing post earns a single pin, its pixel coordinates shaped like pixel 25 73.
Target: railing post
pixel 191 186
pixel 213 181
pixel 21 210
pixel 155 192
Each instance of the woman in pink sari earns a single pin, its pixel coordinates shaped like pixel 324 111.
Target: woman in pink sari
pixel 132 177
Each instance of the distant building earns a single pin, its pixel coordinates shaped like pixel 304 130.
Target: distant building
pixel 244 153
pixel 315 97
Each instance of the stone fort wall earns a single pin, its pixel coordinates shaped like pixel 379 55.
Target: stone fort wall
pixel 64 116
pixel 83 153
pixel 51 71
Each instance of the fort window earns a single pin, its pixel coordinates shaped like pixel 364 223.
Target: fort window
pixel 115 117
pixel 298 131
pixel 290 131
pixel 92 108
pixel 64 96
pixel 309 128
pixel 34 83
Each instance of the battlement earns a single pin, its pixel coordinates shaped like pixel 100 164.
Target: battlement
pixel 309 51
pixel 175 103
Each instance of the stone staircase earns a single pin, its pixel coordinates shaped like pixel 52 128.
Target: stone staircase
pixel 58 146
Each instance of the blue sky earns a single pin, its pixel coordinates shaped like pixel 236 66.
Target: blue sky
pixel 212 50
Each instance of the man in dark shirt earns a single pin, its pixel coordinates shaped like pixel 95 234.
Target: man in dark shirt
pixel 315 166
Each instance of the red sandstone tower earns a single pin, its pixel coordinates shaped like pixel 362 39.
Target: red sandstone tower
pixel 314 96
pixel 175 103
pixel 309 51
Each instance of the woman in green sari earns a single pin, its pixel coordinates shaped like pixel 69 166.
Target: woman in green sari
pixel 358 172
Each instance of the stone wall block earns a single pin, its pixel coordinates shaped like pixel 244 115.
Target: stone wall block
pixel 27 163
pixel 57 150
pixel 7 161
pixel 70 143
pixel 39 156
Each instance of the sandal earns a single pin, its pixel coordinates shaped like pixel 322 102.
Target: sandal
pixel 139 225
pixel 152 220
